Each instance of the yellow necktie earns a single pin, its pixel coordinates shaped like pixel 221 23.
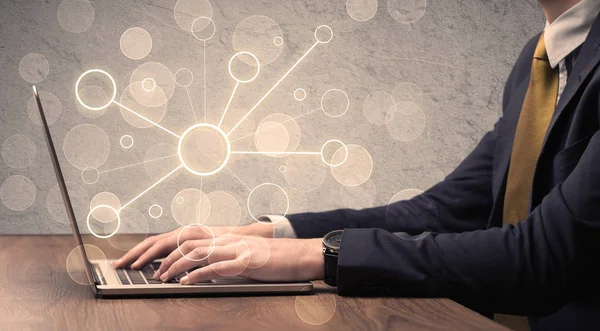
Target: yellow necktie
pixel 537 111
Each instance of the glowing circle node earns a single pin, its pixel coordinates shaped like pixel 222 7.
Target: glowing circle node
pixel 155 211
pixel 243 81
pixel 277 41
pixel 300 94
pixel 211 149
pixel 335 103
pixel 90 175
pixel 203 28
pixel 92 71
pixel 148 84
pixel 184 77
pixel 282 169
pixel 206 229
pixel 111 209
pixel 323 34
pixel 126 141
pixel 281 215
pixel 339 163
pixel 163 79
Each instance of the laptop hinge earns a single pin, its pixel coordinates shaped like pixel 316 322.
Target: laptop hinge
pixel 96 274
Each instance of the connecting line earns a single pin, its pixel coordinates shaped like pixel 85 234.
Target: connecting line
pixel 132 165
pixel 273 88
pixel 191 104
pixel 275 153
pixel 204 75
pixel 237 84
pixel 239 179
pixel 151 187
pixel 274 124
pixel 147 119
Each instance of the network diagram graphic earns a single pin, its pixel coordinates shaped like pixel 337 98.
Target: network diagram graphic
pixel 205 149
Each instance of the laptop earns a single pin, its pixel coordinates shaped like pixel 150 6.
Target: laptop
pixel 107 282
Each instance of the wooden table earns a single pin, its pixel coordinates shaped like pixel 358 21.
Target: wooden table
pixel 37 293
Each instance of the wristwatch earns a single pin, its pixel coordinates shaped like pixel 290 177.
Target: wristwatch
pixel 331 249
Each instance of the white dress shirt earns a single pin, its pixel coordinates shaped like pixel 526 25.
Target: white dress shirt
pixel 566 34
pixel 563 37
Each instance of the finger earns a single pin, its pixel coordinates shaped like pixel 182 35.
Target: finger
pixel 229 253
pixel 188 246
pixel 197 256
pixel 135 252
pixel 175 255
pixel 210 272
pixel 161 248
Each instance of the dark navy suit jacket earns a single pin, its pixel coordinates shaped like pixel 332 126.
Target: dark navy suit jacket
pixel 450 242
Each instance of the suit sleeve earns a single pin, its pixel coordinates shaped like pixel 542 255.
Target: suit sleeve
pixel 461 202
pixel 531 268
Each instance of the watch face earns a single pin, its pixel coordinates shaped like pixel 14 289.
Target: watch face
pixel 334 239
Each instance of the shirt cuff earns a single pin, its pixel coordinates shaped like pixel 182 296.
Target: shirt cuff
pixel 282 228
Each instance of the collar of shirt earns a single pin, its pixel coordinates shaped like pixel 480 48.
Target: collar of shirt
pixel 570 30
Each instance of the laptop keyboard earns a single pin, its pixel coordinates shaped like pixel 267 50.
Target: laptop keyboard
pixel 144 276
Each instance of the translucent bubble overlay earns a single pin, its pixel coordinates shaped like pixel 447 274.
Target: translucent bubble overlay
pixel 256 34
pixel 34 68
pixel 86 145
pixel 75 16
pixel 407 12
pixel 18 193
pixel 361 10
pixel 136 43
pixel 18 151
pixel 52 108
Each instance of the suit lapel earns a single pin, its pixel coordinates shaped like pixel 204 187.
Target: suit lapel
pixel 588 59
pixel 506 136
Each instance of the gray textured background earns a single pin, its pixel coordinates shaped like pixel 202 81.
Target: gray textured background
pixel 459 54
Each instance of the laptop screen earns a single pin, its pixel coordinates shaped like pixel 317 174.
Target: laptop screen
pixel 64 192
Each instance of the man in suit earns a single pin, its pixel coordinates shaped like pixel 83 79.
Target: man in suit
pixel 514 229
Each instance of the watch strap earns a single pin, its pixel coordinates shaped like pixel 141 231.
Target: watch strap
pixel 331 264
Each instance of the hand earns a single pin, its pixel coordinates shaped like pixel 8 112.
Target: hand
pixel 247 256
pixel 159 246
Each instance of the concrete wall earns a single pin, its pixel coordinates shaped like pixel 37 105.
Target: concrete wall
pixel 420 95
